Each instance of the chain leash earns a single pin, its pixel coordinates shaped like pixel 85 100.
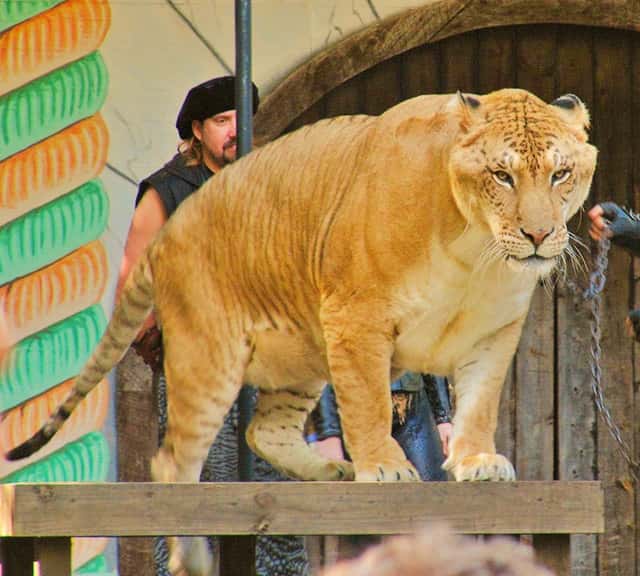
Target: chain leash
pixel 597 281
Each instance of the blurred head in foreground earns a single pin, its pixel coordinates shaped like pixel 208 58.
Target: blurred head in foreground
pixel 437 552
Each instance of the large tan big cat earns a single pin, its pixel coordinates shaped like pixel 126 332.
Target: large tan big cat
pixel 349 251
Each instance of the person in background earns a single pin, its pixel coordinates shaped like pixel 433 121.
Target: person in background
pixel 609 220
pixel 206 125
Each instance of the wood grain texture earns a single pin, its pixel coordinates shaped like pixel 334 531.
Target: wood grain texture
pixel 137 443
pixel 554 552
pixel 576 450
pixel 236 508
pixel 635 139
pixel 435 21
pixel 613 131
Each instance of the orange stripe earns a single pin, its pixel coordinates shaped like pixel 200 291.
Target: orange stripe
pixel 52 39
pixel 55 292
pixel 41 173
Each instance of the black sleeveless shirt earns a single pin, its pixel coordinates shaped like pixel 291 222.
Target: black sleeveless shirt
pixel 174 182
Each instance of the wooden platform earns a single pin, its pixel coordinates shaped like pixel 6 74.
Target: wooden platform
pixel 37 520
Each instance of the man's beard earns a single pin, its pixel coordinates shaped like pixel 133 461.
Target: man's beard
pixel 229 151
pixel 228 154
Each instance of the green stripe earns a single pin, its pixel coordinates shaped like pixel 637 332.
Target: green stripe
pixel 53 230
pixel 50 357
pixel 13 12
pixel 95 567
pixel 85 460
pixel 51 103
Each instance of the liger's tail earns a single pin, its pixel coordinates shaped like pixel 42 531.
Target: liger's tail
pixel 129 314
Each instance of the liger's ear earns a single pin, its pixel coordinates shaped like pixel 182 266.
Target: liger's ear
pixel 573 111
pixel 469 106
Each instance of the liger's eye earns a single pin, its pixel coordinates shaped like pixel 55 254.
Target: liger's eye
pixel 502 177
pixel 560 176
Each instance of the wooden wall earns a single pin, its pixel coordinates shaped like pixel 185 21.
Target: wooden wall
pixel 549 426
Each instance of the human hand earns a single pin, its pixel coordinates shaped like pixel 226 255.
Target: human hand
pixel 611 221
pixel 149 346
pixel 445 430
pixel 330 448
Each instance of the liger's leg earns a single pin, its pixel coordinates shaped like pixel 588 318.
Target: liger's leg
pixel 359 347
pixel 276 434
pixel 204 374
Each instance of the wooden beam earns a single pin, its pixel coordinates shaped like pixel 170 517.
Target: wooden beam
pixel 17 556
pixel 303 508
pixel 554 551
pixel 54 556
pixel 435 21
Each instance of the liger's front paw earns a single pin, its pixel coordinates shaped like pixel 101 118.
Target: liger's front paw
pixel 337 470
pixel 483 466
pixel 386 471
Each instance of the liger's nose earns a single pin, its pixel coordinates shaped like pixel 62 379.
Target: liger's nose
pixel 537 236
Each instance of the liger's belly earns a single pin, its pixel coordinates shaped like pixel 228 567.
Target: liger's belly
pixel 284 360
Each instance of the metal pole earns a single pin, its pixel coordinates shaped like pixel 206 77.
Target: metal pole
pixel 243 77
pixel 244 110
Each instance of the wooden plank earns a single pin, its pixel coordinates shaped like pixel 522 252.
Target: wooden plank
pixel 576 421
pixel 137 443
pixel 614 137
pixel 554 552
pixel 134 509
pixel 435 21
pixel 496 69
pixel 17 556
pixel 381 86
pixel 309 116
pixel 496 59
pixel 421 71
pixel 535 361
pixel 238 556
pixel 54 556
pixel 635 113
pixel 344 99
pixel 459 63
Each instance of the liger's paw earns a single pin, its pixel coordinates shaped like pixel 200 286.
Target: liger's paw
pixel 340 470
pixel 386 471
pixel 483 466
pixel 331 470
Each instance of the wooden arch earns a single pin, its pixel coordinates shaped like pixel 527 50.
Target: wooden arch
pixel 437 20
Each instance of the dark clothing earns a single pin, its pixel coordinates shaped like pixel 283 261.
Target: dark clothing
pixel 418 436
pixel 174 182
pixel 281 555
pixel 325 419
pixel 437 389
pixel 425 404
pixel 623 226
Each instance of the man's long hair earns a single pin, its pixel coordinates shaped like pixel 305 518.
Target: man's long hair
pixel 191 150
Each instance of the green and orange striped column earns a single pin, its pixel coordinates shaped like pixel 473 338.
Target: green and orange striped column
pixel 53 212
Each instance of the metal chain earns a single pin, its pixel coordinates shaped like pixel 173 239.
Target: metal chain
pixel 597 281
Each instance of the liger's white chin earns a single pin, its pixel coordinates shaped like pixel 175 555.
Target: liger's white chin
pixel 537 265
